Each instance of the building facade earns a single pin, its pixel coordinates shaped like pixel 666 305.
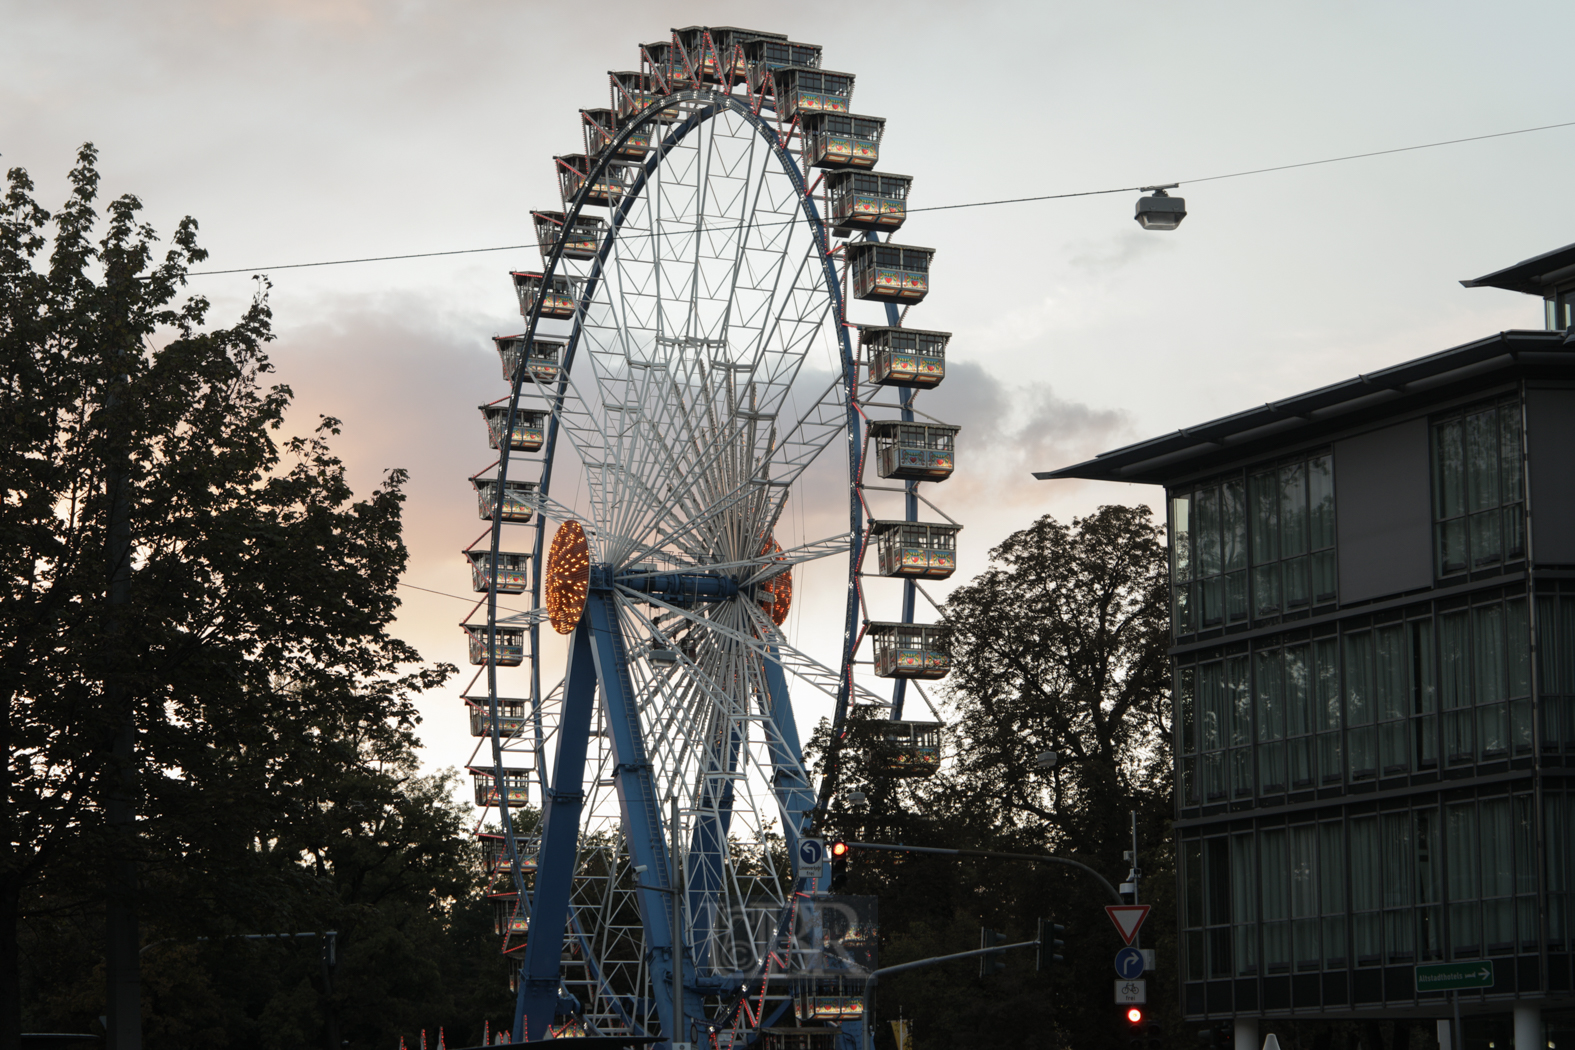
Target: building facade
pixel 1373 615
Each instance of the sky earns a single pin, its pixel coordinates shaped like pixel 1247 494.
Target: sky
pixel 308 130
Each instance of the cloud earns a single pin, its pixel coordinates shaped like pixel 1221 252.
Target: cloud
pixel 1102 257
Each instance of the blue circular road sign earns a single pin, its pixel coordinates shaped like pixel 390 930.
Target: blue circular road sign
pixel 1129 964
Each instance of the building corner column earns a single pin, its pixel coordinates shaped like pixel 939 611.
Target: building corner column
pixel 1528 1026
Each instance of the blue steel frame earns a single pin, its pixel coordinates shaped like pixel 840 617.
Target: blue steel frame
pixel 598 652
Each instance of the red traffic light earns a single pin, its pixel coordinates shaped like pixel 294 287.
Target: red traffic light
pixel 839 848
pixel 1134 1015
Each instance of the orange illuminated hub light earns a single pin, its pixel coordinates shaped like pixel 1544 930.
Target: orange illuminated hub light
pixel 778 590
pixel 568 576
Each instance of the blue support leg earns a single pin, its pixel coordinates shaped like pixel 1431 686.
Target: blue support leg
pixel 560 834
pixel 707 852
pixel 794 797
pixel 642 817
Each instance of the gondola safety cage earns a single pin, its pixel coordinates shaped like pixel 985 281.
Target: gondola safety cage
pixel 541 362
pixel 510 578
pixel 914 451
pixel 528 433
pixel 906 357
pixel 909 650
pixel 924 550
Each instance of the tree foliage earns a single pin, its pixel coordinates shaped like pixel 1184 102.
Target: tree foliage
pixel 274 711
pixel 1060 645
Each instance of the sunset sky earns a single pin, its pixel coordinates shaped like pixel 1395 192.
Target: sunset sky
pixel 306 130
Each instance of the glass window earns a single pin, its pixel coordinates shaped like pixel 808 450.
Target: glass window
pixel 1478 495
pixel 1464 889
pixel 1275 885
pixel 1556 669
pixel 1292 519
pixel 1304 896
pixel 1326 712
pixel 1245 887
pixel 1240 704
pixel 1484 679
pixel 1209 557
pixel 1365 883
pixel 1192 905
pixel 1331 891
pixel 1429 915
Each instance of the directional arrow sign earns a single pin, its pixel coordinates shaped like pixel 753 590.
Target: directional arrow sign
pixel 811 854
pixel 1445 977
pixel 1128 918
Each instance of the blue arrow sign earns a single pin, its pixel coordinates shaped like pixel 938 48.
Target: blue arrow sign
pixel 1129 964
pixel 811 852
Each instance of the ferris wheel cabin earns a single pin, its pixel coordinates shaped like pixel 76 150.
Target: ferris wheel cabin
pixel 765 57
pixel 583 240
pixel 512 716
pixel 495 853
pixel 507 919
pixel 914 451
pixel 511 578
pixel 530 427
pixel 518 499
pixel 515 781
pixel 902 749
pixel 909 650
pixel 800 91
pixel 541 361
pixel 921 549
pixel 510 647
pixel 601 130
pixel 866 200
pixel 890 273
pixel 631 93
pixel 841 140
pixel 574 172
pixel 558 298
pixel 663 64
pixel 730 42
pixel 907 357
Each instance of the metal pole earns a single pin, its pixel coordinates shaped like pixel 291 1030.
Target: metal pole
pixel 999 855
pixel 1460 1036
pixel 1132 877
pixel 875 975
pixel 678 934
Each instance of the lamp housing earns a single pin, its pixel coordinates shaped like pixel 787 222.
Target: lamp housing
pixel 1160 211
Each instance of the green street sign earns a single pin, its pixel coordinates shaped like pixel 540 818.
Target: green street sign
pixel 1448 977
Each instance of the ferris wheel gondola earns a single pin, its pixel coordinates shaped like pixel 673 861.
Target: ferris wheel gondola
pixel 690 357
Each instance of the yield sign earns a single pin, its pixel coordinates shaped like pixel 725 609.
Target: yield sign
pixel 1128 918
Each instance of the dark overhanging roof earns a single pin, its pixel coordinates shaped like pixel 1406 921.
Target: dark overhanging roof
pixel 1297 418
pixel 1533 276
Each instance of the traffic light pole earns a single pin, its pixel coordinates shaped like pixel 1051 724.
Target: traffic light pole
pixel 1038 857
pixel 875 975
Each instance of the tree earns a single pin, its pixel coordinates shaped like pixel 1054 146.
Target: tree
pixel 1059 646
pixel 194 622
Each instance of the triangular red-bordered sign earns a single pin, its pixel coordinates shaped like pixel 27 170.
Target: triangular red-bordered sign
pixel 1128 918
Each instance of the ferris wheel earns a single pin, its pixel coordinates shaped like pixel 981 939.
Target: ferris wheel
pixel 689 376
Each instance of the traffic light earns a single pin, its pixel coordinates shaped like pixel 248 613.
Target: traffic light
pixel 1217 1037
pixel 1136 1028
pixel 995 962
pixel 1050 945
pixel 839 851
